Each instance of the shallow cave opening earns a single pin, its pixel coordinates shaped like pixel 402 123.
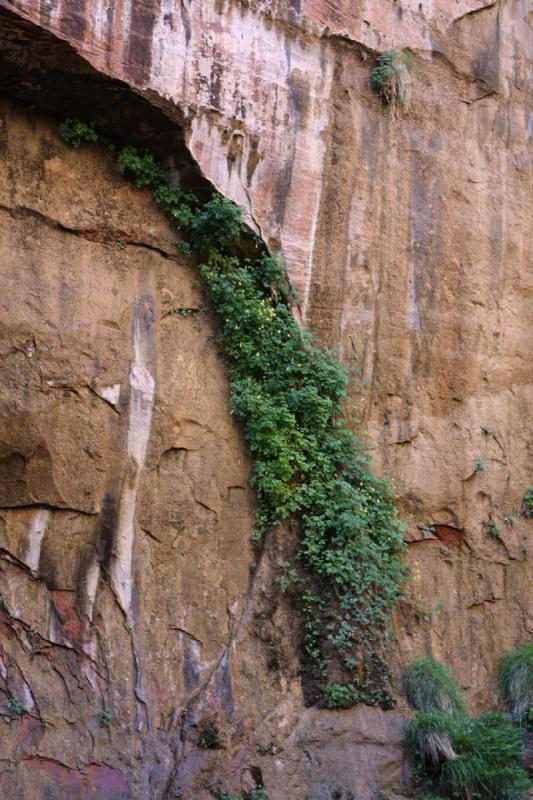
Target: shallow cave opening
pixel 47 75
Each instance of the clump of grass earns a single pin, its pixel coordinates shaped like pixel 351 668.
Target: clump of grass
pixel 466 758
pixel 429 739
pixel 430 687
pixel 430 797
pixel 393 78
pixel 489 760
pixel 516 683
pixel 457 756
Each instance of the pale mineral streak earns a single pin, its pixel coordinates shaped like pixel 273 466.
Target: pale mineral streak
pixel 36 534
pixel 141 404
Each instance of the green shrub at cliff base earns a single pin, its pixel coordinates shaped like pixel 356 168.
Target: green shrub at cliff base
pixel 290 396
pixel 468 758
pixel 516 683
pixel 428 686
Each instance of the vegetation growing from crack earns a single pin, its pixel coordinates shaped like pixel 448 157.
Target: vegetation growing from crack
pixel 104 716
pixel 393 77
pixel 16 706
pixel 209 737
pixel 480 466
pixel 309 464
pixel 527 503
pixel 76 132
pixel 454 755
pixel 493 530
pixel 488 432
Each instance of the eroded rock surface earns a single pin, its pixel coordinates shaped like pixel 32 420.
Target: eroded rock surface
pixel 128 578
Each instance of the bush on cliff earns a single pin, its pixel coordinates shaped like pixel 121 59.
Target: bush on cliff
pixel 309 459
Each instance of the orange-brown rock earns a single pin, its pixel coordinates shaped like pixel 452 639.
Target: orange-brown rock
pixel 128 578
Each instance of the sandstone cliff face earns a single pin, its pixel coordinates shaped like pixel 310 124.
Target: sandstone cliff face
pixel 118 452
pixel 128 578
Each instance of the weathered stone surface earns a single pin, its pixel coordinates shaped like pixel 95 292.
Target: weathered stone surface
pixel 263 86
pixel 126 562
pixel 410 240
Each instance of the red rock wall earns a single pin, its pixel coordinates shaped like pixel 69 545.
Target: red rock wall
pixel 409 239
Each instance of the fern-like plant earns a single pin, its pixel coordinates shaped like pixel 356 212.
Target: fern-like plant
pixel 16 706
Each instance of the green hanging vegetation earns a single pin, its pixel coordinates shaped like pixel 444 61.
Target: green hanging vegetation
pixel 308 463
pixel 429 686
pixel 516 684
pixel 393 77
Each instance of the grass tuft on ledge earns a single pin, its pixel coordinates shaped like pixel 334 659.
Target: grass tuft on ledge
pixel 516 683
pixel 428 686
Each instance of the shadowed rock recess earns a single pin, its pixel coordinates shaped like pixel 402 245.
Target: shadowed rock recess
pixel 146 651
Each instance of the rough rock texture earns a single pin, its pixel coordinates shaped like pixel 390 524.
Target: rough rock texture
pixel 125 510
pixel 125 517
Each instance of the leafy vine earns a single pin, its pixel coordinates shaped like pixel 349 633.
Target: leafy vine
pixel 308 463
